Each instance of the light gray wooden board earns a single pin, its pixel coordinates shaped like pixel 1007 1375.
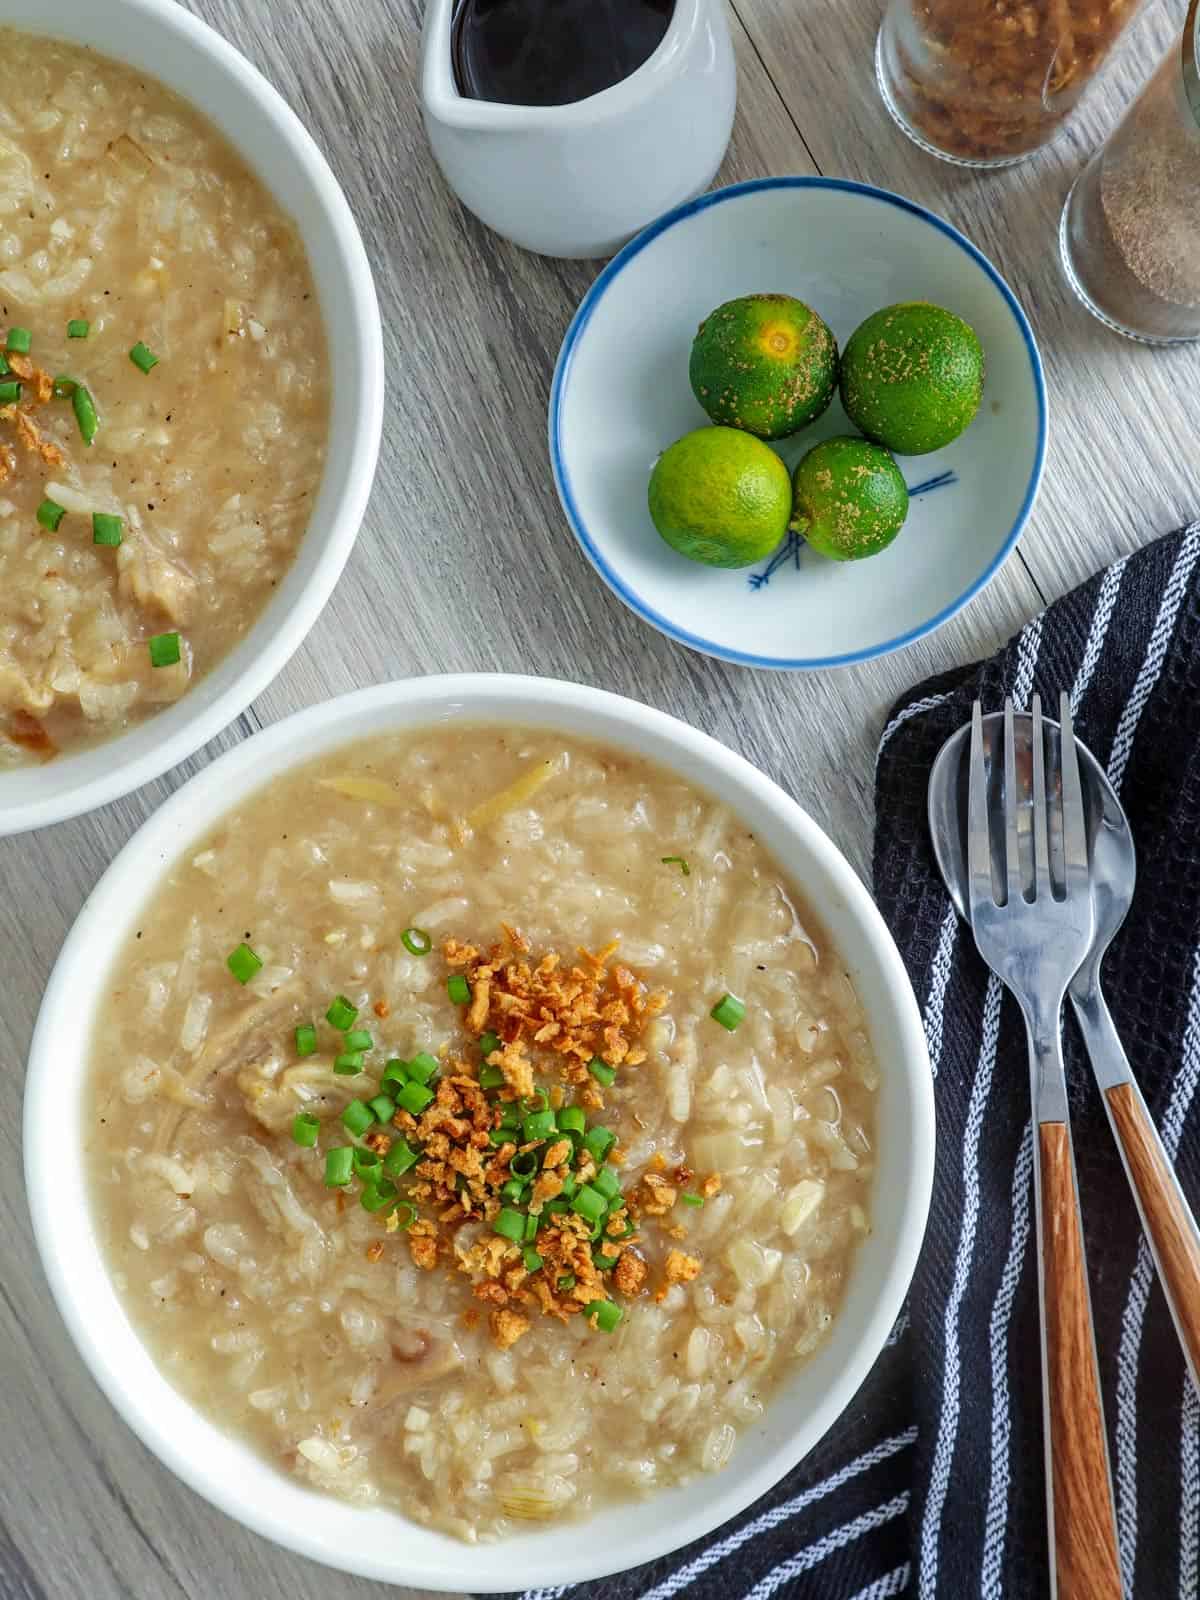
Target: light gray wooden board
pixel 465 562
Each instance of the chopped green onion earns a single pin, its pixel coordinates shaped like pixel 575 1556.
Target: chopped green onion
pixel 143 357
pixel 368 1165
pixel 490 1077
pixel 510 1117
pixel 589 1203
pixel 532 1224
pixel 416 941
pixel 375 1199
pixel 677 861
pixel 243 963
pixel 84 407
pixel 306 1039
pixel 601 1071
pixel 10 392
pixel 357 1118
pixel 339 1164
pixel 605 1263
pixel 488 1044
pixel 358 1039
pixel 692 1199
pixel 400 1158
pixel 512 1191
pixel 50 514
pixel 414 1097
pixel 567 1281
pixel 5 369
pixel 305 1128
pixel 383 1106
pixel 509 1225
pixel 78 328
pixel 164 649
pixel 538 1101
pixel 598 1141
pixel 348 1064
pixel 19 341
pixel 556 1207
pixel 406 1215
pixel 532 1260
pixel 570 1184
pixel 539 1126
pixel 606 1312
pixel 423 1066
pixel 728 1011
pixel 572 1119
pixel 396 1071
pixel 608 1183
pixel 106 529
pixel 458 989
pixel 524 1164
pixel 341 1013
pixel 63 386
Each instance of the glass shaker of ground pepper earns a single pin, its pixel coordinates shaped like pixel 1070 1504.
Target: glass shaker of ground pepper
pixel 984 83
pixel 1130 234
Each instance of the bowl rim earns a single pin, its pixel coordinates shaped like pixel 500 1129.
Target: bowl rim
pixel 562 374
pixel 112 908
pixel 339 533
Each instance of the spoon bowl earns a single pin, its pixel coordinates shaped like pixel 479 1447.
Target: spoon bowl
pixel 1110 838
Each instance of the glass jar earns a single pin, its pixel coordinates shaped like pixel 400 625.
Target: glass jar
pixel 1130 232
pixel 984 83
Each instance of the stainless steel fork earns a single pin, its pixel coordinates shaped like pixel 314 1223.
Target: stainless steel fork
pixel 1034 933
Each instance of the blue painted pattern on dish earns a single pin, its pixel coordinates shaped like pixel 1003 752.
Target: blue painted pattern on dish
pixel 562 372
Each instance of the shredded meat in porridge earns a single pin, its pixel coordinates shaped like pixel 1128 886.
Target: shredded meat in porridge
pixel 445 1129
pixel 163 367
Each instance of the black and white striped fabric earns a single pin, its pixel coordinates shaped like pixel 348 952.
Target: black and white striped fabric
pixel 931 1485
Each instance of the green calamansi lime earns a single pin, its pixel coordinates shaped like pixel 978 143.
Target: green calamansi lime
pixel 850 499
pixel 912 377
pixel 720 497
pixel 765 363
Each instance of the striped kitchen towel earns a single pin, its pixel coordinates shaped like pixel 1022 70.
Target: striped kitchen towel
pixel 931 1484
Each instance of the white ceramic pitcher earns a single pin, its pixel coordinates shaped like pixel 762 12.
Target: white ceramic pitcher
pixel 581 179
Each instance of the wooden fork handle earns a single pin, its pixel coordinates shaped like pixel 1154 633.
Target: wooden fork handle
pixel 1166 1215
pixel 1085 1555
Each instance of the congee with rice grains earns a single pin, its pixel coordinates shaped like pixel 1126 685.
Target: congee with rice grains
pixel 482 1125
pixel 163 397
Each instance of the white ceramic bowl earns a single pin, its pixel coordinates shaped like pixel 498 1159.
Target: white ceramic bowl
pixel 621 395
pixel 164 40
pixel 380 1544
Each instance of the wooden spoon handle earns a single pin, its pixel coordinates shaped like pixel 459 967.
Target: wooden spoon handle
pixel 1085 1554
pixel 1166 1215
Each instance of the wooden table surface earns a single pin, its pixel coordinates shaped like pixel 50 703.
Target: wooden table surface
pixel 465 562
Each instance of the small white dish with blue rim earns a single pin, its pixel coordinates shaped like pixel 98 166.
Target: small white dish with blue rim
pixel 621 396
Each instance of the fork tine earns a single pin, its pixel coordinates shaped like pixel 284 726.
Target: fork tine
pixel 1075 848
pixel 1012 847
pixel 1041 830
pixel 979 857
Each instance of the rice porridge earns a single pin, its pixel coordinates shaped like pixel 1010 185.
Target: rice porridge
pixel 482 1126
pixel 163 397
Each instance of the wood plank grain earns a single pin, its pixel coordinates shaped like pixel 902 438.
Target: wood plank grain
pixel 1122 464
pixel 465 563
pixel 1168 1217
pixel 1084 1542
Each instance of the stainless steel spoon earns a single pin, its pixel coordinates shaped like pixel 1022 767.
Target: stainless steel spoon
pixel 1167 1218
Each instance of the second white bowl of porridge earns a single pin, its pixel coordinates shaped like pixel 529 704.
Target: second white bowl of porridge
pixel 190 395
pixel 473 1106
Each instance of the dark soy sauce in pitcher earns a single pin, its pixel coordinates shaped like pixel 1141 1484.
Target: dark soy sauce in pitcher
pixel 552 52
